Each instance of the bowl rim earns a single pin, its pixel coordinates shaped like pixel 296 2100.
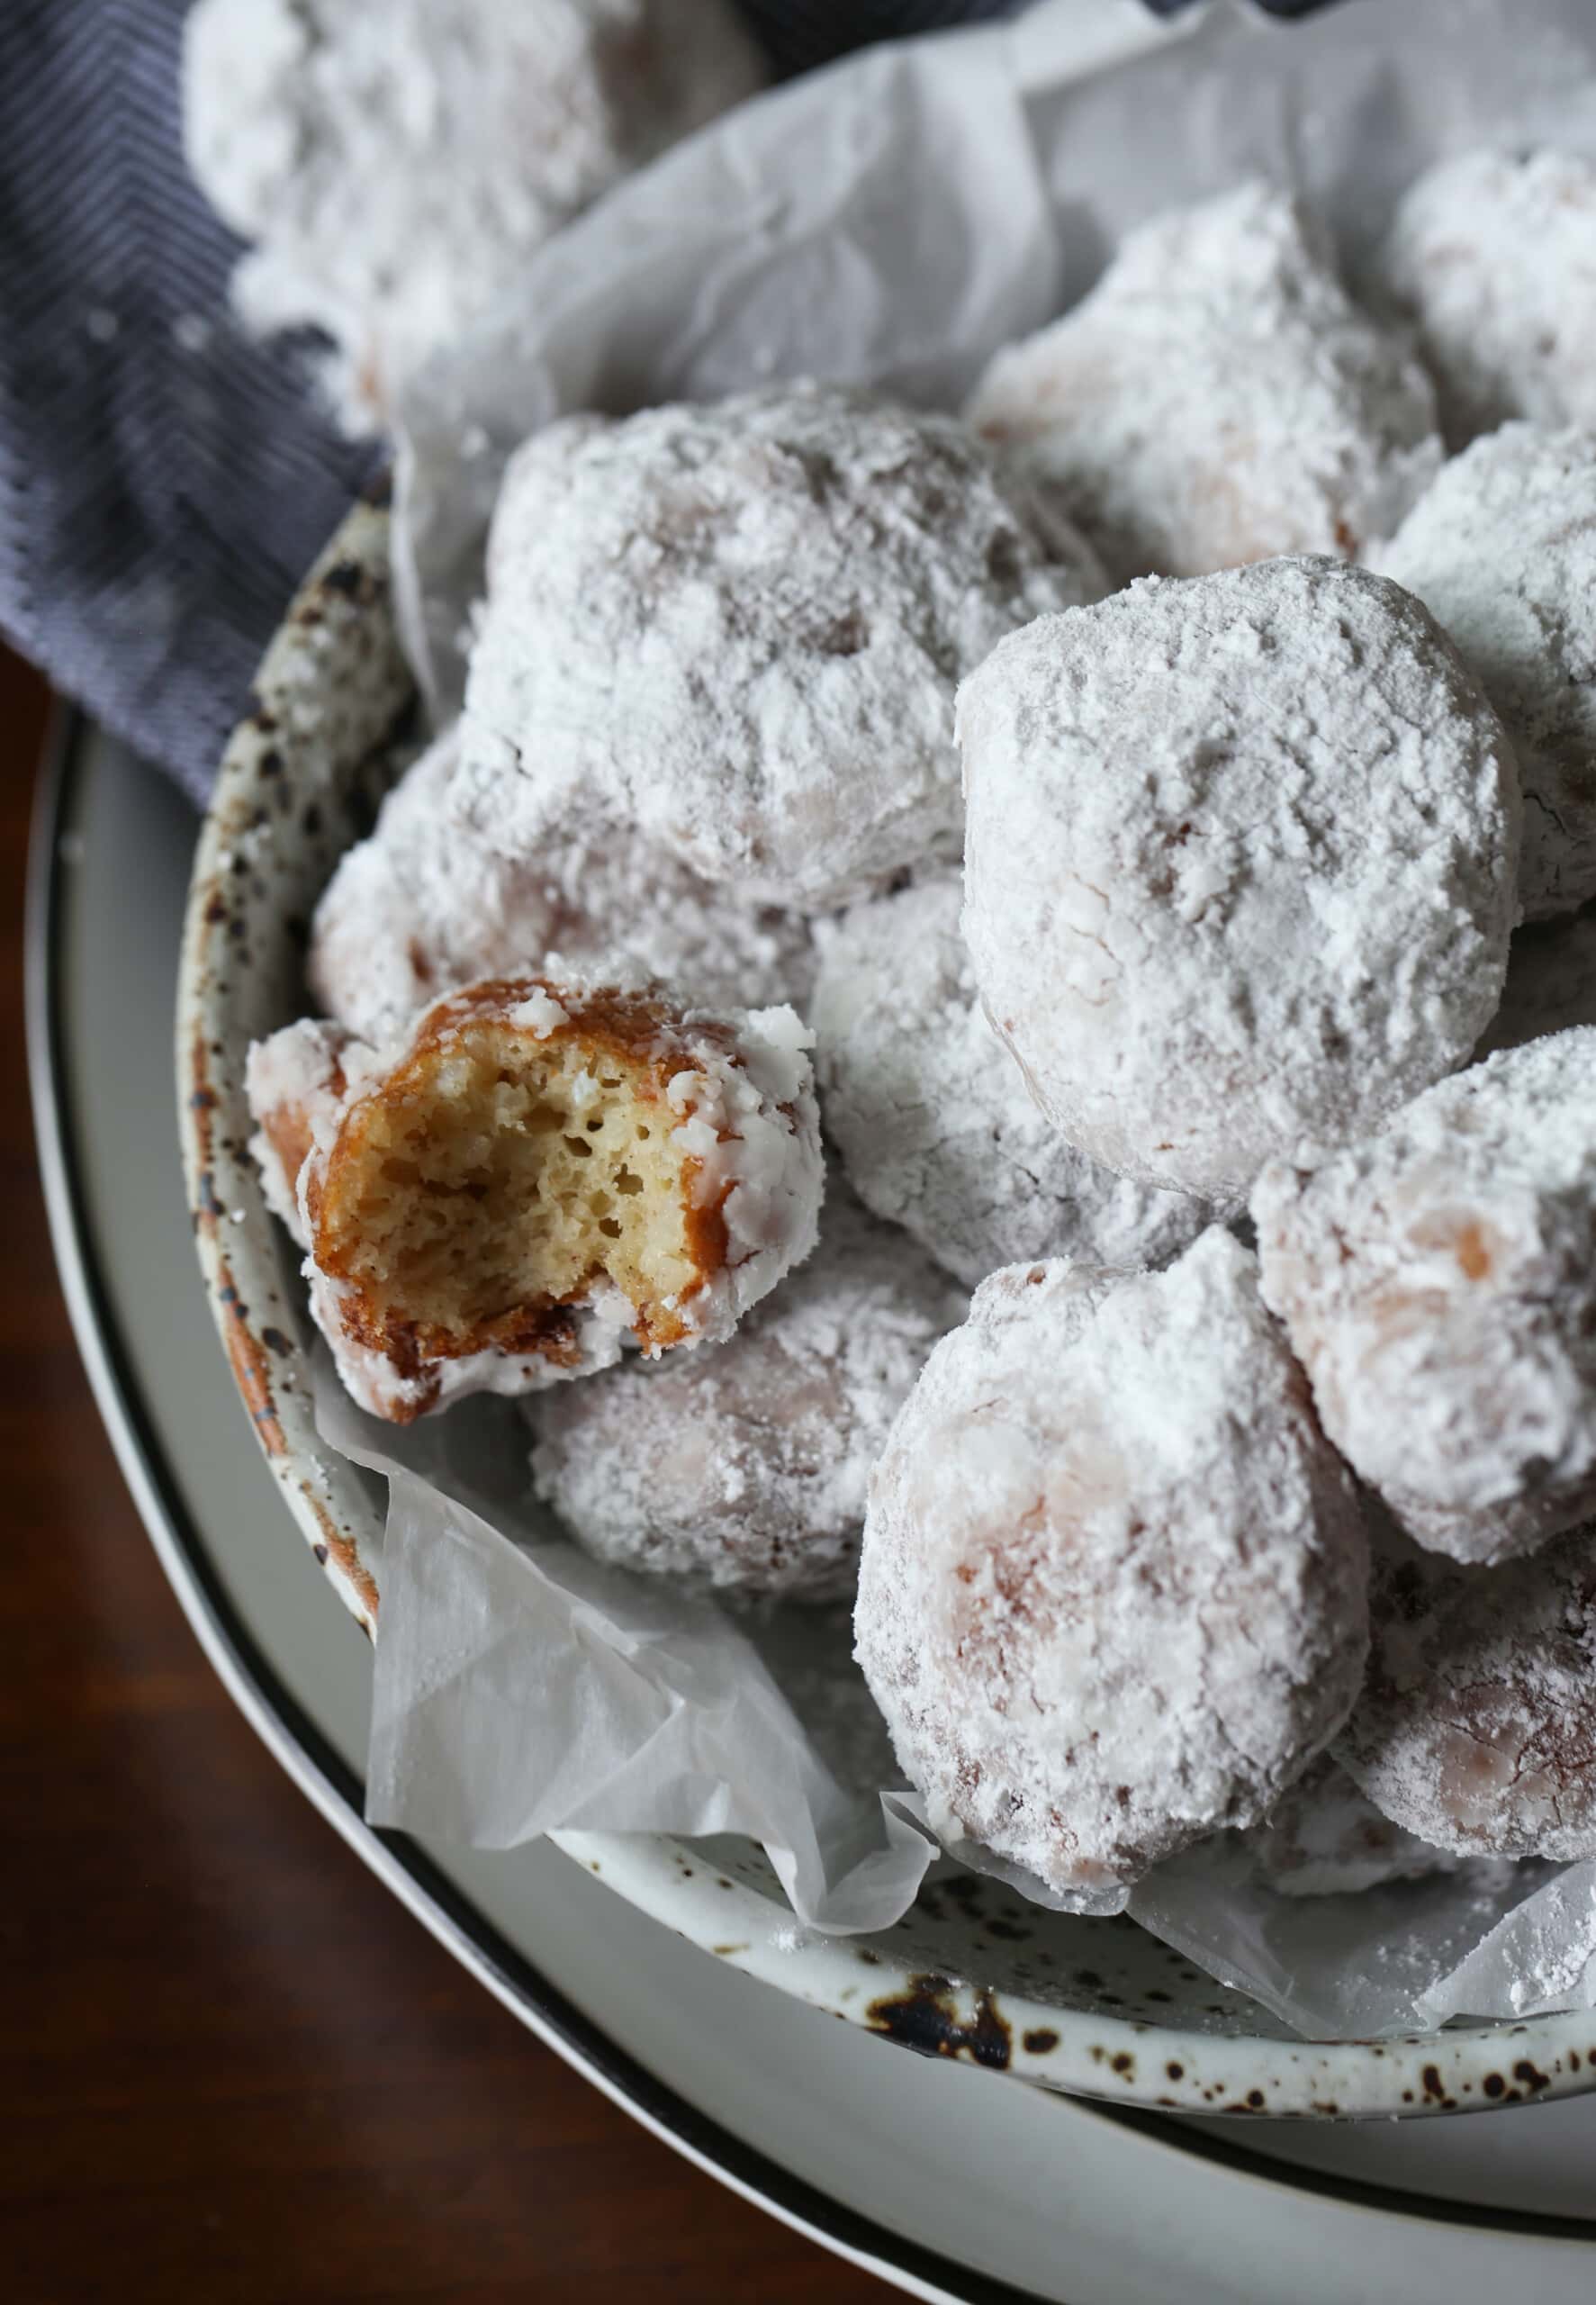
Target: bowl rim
pixel 338 638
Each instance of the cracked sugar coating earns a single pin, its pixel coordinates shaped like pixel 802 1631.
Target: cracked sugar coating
pixel 1494 258
pixel 931 1112
pixel 397 165
pixel 1502 552
pixel 536 1176
pixel 746 1467
pixel 740 627
pixel 1324 1838
pixel 1217 398
pixel 1476 1728
pixel 1241 865
pixel 1111 1595
pixel 424 906
pixel 1439 1283
pixel 1551 983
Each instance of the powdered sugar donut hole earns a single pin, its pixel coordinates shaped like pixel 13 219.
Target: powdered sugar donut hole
pixel 739 628
pixel 1439 1284
pixel 1502 551
pixel 425 906
pixel 1241 864
pixel 534 1176
pixel 1476 1727
pixel 395 166
pixel 746 1467
pixel 1492 258
pixel 1111 1595
pixel 1217 398
pixel 931 1116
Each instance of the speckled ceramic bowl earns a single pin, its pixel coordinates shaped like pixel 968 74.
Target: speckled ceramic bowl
pixel 1093 2006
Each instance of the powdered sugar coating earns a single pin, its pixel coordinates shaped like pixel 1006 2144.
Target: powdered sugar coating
pixel 1217 398
pixel 1476 1728
pixel 1113 1587
pixel 296 1084
pixel 1551 983
pixel 1493 256
pixel 1502 552
pixel 931 1116
pixel 395 165
pixel 746 1467
pixel 1439 1283
pixel 1325 1838
pixel 740 629
pixel 425 906
pixel 1241 865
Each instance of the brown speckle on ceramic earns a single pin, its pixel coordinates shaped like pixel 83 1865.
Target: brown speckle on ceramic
pixel 331 696
pixel 973 1973
pixel 929 2019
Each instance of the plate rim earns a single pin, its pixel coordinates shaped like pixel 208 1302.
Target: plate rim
pixel 299 1746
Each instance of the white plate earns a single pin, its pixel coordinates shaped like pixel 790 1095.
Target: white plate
pixel 947 2182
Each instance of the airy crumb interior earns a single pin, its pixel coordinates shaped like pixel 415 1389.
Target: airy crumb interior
pixel 510 1174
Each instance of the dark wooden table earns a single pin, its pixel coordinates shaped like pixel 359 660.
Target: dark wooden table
pixel 189 2108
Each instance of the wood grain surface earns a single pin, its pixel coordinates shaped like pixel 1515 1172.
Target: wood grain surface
pixel 191 2107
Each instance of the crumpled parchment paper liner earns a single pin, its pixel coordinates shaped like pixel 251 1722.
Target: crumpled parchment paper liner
pixel 1398 1959
pixel 892 222
pixel 520 1687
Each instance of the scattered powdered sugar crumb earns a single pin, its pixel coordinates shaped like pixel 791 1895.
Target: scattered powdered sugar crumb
pixel 1438 1286
pixel 397 165
pixel 1493 256
pixel 1218 398
pixel 1502 552
pixel 1476 1727
pixel 746 1465
pixel 740 629
pixel 1112 1592
pixel 1241 864
pixel 931 1116
pixel 425 906
pixel 540 1014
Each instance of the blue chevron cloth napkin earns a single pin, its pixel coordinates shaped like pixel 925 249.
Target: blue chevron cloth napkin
pixel 164 480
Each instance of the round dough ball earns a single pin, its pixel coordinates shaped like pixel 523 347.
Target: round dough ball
pixel 740 629
pixel 1439 1283
pixel 747 1469
pixel 1502 552
pixel 1217 398
pixel 423 907
pixel 1324 1838
pixel 1241 864
pixel 396 165
pixel 1112 1590
pixel 931 1116
pixel 1476 1728
pixel 1492 257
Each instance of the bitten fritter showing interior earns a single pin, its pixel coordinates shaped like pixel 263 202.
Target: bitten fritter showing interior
pixel 508 1167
